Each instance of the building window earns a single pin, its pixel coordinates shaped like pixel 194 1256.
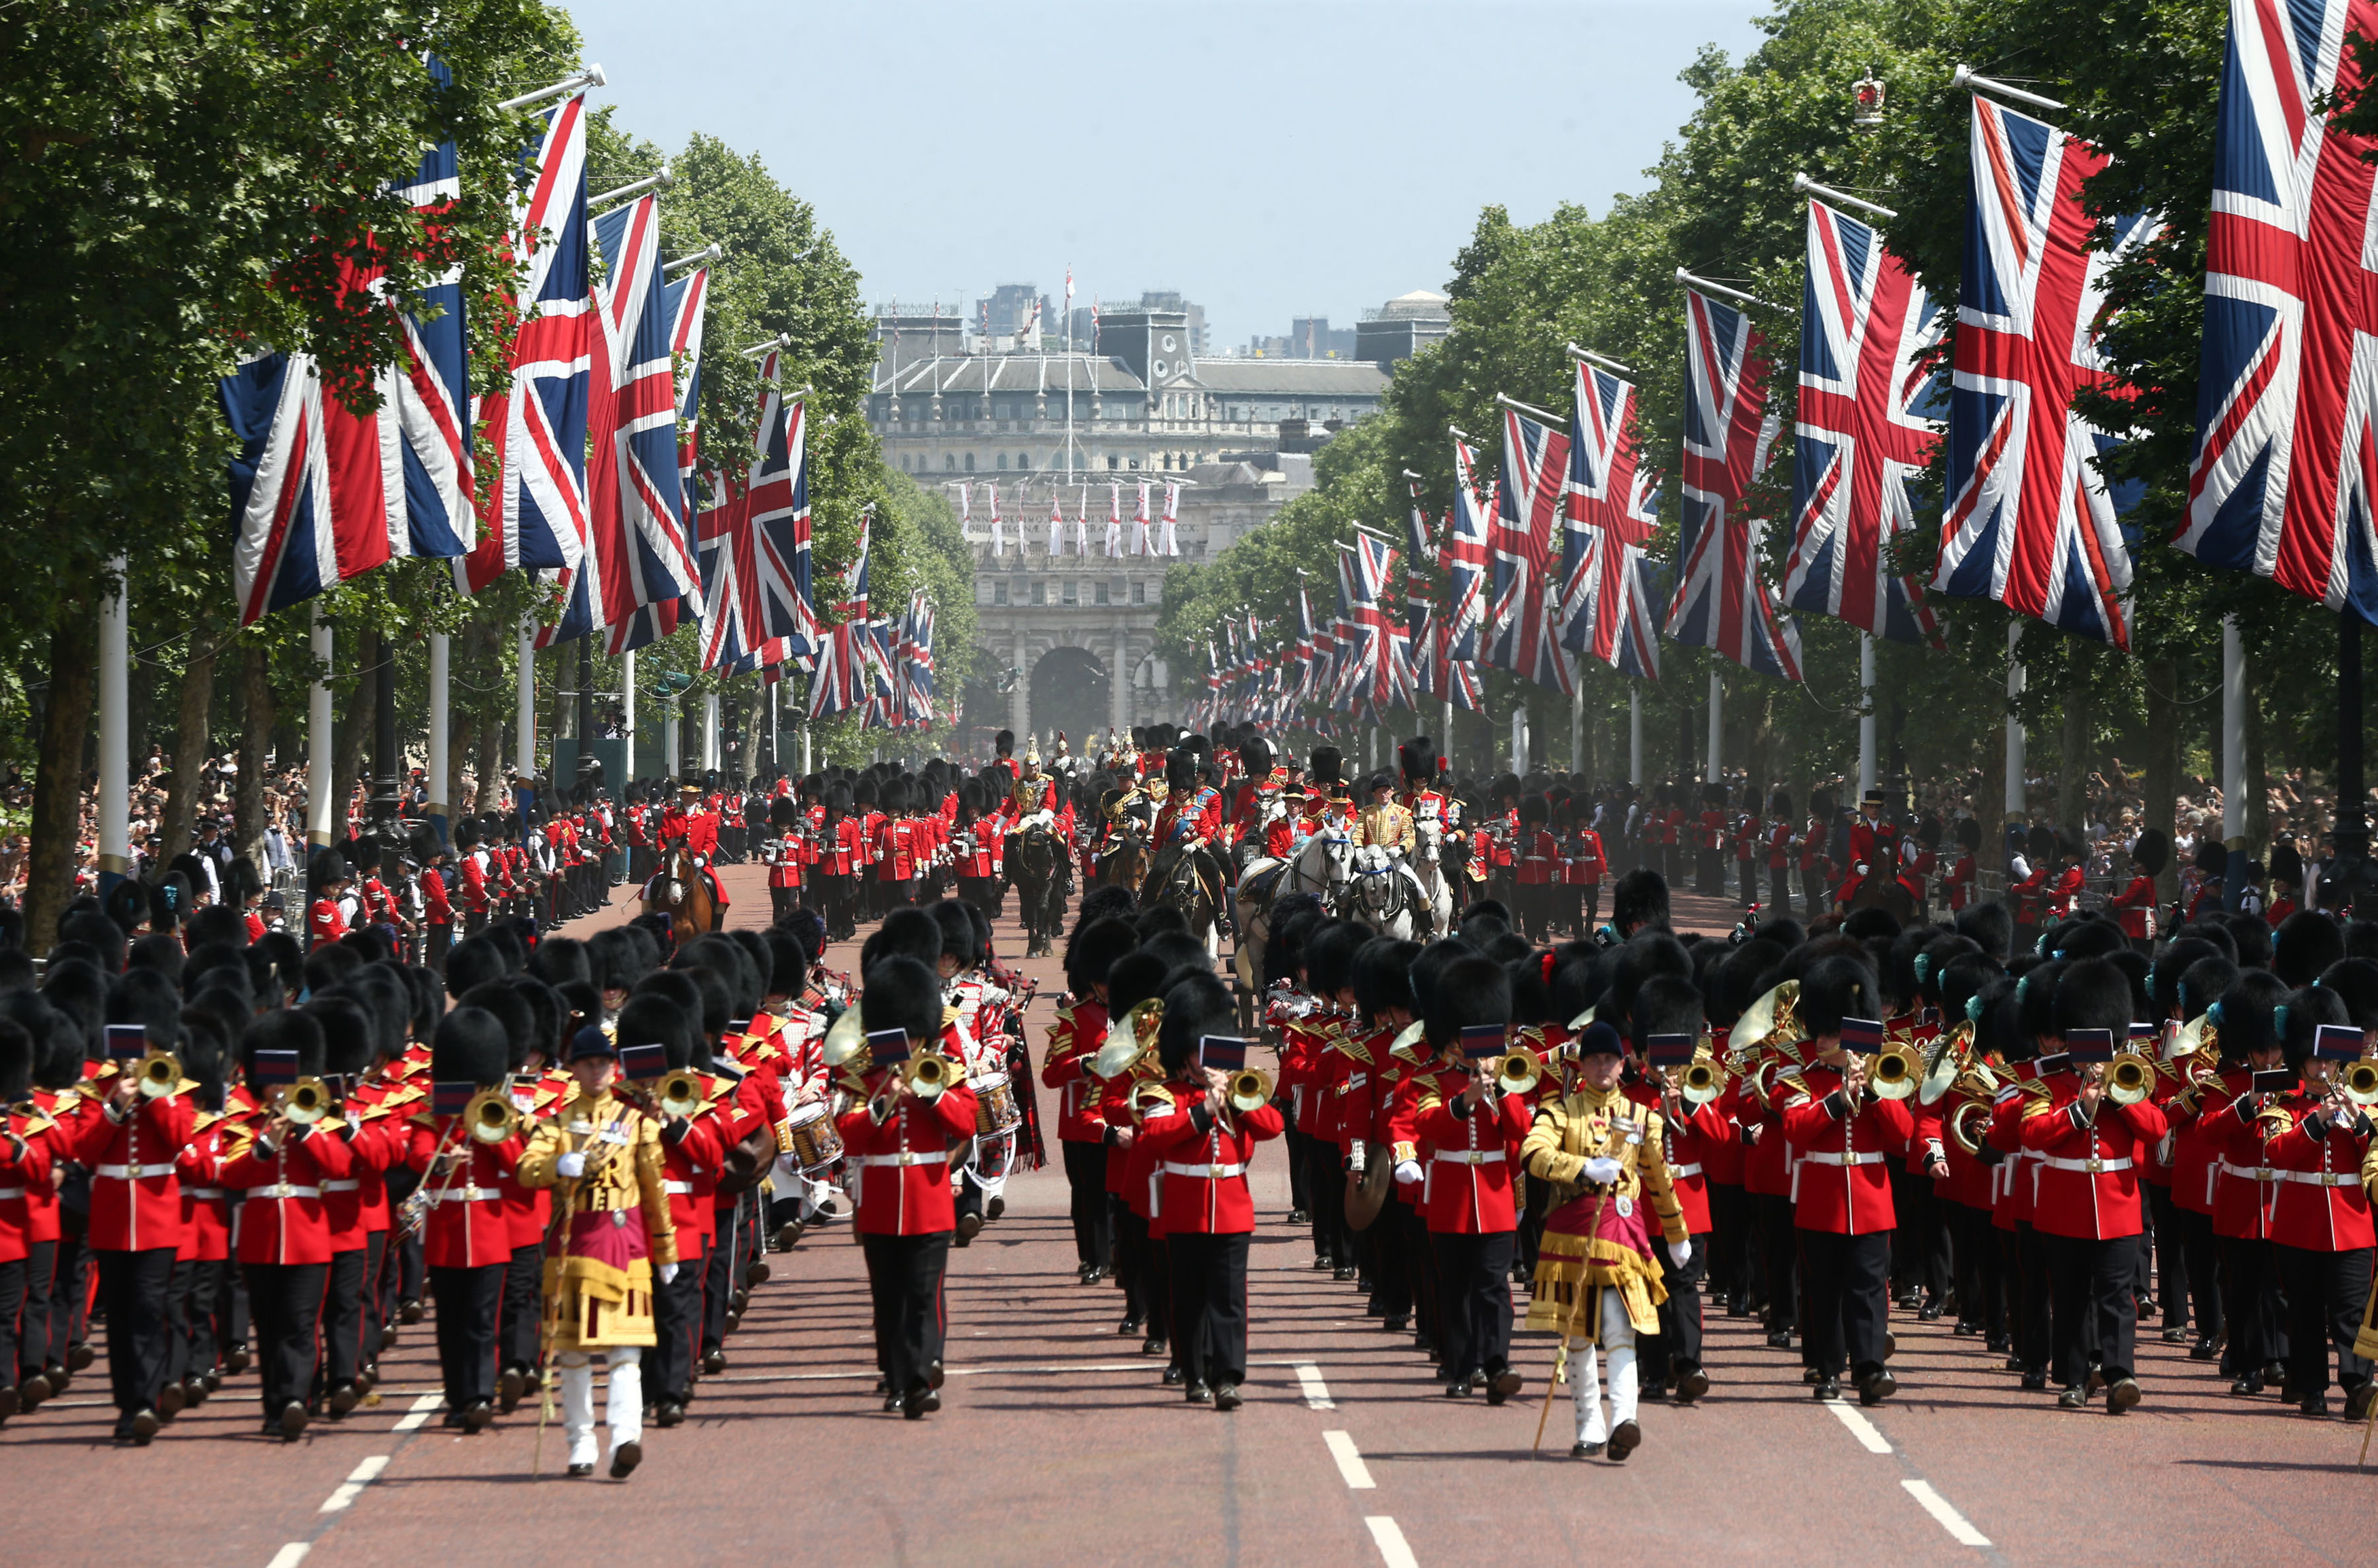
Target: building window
pixel 1023 459
pixel 1073 594
pixel 1113 462
pixel 1039 592
pixel 1101 598
pixel 998 593
pixel 949 464
pixel 1139 592
pixel 983 590
pixel 969 462
pixel 1002 462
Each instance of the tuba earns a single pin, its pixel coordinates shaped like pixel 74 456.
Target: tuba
pixel 1969 1124
pixel 845 1041
pixel 1944 1063
pixel 1128 1038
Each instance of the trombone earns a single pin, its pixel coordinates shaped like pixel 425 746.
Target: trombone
pixel 491 1116
pixel 929 1076
pixel 1702 1081
pixel 1895 1074
pixel 307 1101
pixel 2360 1083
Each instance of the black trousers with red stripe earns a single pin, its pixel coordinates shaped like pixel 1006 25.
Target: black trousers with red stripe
pixel 285 1299
pixel 904 1279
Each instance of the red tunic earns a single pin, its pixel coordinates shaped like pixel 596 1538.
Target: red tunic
pixel 136 1194
pixel 899 1167
pixel 1472 1152
pixel 1841 1184
pixel 1201 1163
pixel 283 1219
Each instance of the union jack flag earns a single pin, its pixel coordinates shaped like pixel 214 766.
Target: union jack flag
pixel 1535 470
pixel 854 582
pixel 1721 600
pixel 319 494
pixel 1865 428
pixel 1618 587
pixel 1465 551
pixel 1424 547
pixel 780 589
pixel 686 301
pixel 532 514
pixel 916 655
pixel 1307 688
pixel 2285 478
pixel 836 685
pixel 1609 494
pixel 722 536
pixel 2029 522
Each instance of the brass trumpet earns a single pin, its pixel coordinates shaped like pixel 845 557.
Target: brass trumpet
pixel 679 1095
pixel 1519 1072
pixel 306 1101
pixel 491 1116
pixel 1701 1082
pixel 929 1076
pixel 1250 1089
pixel 1895 1074
pixel 2360 1083
pixel 159 1074
pixel 2130 1078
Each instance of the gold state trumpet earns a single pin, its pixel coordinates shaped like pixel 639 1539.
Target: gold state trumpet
pixel 1250 1089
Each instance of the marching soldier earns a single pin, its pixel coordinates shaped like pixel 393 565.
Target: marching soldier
pixel 613 1240
pixel 458 1207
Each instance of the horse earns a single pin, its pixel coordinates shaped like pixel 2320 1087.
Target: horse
pixel 679 891
pixel 1122 861
pixel 1388 896
pixel 1879 890
pixel 1322 865
pixel 1182 887
pixel 1427 867
pixel 1036 866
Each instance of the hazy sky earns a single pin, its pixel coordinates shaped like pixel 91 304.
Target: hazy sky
pixel 1270 159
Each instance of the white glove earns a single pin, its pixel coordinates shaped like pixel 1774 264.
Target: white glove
pixel 1407 1171
pixel 668 1272
pixel 573 1165
pixel 1602 1167
pixel 1680 1252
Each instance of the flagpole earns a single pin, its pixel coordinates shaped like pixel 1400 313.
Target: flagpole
pixel 1865 712
pixel 627 719
pixel 524 715
pixel 772 721
pixel 115 735
pixel 1710 773
pixel 1577 719
pixel 318 737
pixel 441 723
pixel 1635 733
pixel 669 759
pixel 710 733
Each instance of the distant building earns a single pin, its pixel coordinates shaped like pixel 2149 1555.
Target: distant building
pixel 1400 330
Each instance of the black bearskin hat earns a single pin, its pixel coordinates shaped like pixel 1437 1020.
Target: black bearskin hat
pixel 471 1047
pixel 2151 853
pixel 1325 761
pixel 1468 993
pixel 1417 758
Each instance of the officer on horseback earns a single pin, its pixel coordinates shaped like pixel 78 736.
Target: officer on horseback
pixel 1188 822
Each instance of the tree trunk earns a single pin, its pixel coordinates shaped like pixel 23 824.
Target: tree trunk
pixel 57 780
pixel 353 727
pixel 2160 778
pixel 2073 783
pixel 755 724
pixel 190 738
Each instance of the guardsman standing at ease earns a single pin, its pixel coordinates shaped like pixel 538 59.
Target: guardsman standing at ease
pixel 1840 1130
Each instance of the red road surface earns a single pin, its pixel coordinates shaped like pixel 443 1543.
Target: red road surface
pixel 1056 1441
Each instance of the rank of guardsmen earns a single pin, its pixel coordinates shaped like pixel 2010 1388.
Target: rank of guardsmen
pixel 1504 1121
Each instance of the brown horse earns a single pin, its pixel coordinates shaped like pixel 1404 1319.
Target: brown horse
pixel 1122 862
pixel 679 891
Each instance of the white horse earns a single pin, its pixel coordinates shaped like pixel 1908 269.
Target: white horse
pixel 1427 867
pixel 1388 898
pixel 1323 865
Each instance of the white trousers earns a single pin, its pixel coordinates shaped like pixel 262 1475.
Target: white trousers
pixel 623 1399
pixel 1584 1382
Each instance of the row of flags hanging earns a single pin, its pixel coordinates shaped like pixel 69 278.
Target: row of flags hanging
pixel 598 483
pixel 1145 538
pixel 1549 557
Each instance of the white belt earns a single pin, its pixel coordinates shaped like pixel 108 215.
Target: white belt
pixel 909 1156
pixel 1205 1172
pixel 284 1190
pixel 1679 1171
pixel 342 1186
pixel 467 1195
pixel 2091 1166
pixel 1856 1157
pixel 1468 1157
pixel 198 1192
pixel 134 1172
pixel 678 1189
pixel 10 1194
pixel 2309 1178
pixel 2249 1172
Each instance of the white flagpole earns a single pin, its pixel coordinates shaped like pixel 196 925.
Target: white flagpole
pixel 1577 719
pixel 1710 774
pixel 627 719
pixel 318 737
pixel 1635 734
pixel 2233 758
pixel 1865 714
pixel 524 708
pixel 115 736
pixel 2015 802
pixel 441 715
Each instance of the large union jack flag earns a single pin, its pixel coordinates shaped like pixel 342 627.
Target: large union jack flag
pixel 2285 471
pixel 1609 495
pixel 2029 522
pixel 319 494
pixel 687 301
pixel 1721 600
pixel 1865 429
pixel 1467 549
pixel 532 510
pixel 780 516
pixel 1535 473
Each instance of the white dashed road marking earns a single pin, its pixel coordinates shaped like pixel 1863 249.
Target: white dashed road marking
pixel 1349 1461
pixel 1960 1528
pixel 1860 1428
pixel 423 1408
pixel 353 1487
pixel 1391 1541
pixel 290 1556
pixel 1316 1393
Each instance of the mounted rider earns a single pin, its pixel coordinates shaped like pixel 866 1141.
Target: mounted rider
pixel 693 825
pixel 1189 821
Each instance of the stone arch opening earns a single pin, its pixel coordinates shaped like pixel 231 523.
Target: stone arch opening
pixel 1070 690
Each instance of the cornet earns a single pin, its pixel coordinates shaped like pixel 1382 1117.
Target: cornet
pixel 929 1076
pixel 1896 1075
pixel 159 1074
pixel 2130 1078
pixel 491 1116
pixel 1701 1082
pixel 1250 1089
pixel 2360 1083
pixel 1519 1072
pixel 306 1101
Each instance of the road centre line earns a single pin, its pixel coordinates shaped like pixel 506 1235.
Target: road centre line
pixel 1389 1539
pixel 1349 1461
